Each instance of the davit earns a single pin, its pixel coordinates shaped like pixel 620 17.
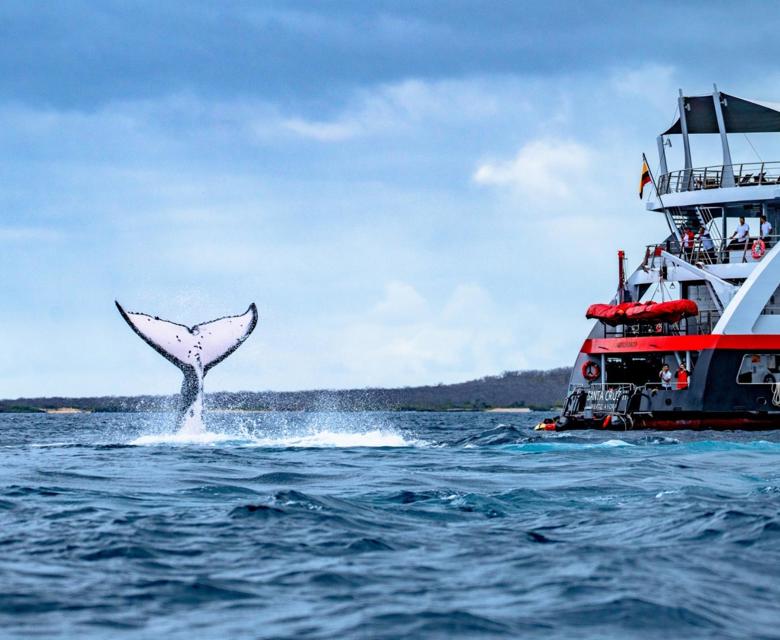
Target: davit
pixel 195 350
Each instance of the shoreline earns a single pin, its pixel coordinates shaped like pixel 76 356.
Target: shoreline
pixel 77 411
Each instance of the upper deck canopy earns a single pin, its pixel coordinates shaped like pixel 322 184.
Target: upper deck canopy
pixel 739 115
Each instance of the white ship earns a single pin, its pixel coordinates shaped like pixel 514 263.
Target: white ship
pixel 703 301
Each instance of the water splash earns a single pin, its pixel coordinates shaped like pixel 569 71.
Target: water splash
pixel 182 437
pixel 284 430
pixel 192 429
pixel 540 446
pixel 314 439
pixel 339 439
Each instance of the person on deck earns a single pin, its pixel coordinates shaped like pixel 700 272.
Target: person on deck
pixel 707 245
pixel 665 375
pixel 740 237
pixel 688 239
pixel 766 231
pixel 682 377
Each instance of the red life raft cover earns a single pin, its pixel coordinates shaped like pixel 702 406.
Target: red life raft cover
pixel 635 312
pixel 611 314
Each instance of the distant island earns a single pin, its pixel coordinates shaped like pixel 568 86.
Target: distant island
pixel 511 390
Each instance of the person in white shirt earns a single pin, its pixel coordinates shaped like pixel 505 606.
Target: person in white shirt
pixel 766 231
pixel 707 245
pixel 740 237
pixel 665 376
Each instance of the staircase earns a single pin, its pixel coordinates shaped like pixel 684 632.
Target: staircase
pixel 707 215
pixel 687 218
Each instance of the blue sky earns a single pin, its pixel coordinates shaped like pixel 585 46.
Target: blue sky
pixel 411 192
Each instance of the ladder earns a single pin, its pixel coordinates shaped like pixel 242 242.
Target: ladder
pixel 708 217
pixel 691 218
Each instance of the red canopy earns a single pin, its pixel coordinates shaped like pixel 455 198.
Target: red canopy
pixel 636 312
pixel 611 314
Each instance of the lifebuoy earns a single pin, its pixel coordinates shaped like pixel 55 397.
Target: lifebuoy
pixel 759 249
pixel 591 370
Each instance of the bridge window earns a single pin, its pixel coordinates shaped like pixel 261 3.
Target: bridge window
pixel 759 368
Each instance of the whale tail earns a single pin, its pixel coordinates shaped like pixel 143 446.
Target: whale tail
pixel 195 350
pixel 202 346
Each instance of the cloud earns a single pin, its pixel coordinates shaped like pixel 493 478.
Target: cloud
pixel 27 234
pixel 401 338
pixel 401 300
pixel 545 168
pixel 87 55
pixel 384 232
pixel 405 105
pixel 652 83
pixel 321 131
pixel 404 337
pixel 373 258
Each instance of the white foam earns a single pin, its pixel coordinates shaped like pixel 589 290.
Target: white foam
pixel 310 439
pixel 192 431
pixel 52 444
pixel 616 443
pixel 339 439
pixel 183 437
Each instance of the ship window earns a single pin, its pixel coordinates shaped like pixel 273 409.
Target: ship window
pixel 759 368
pixel 640 369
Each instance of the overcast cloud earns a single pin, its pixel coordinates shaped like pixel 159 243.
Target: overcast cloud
pixel 411 192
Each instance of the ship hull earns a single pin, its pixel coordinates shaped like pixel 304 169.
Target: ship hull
pixel 718 395
pixel 691 422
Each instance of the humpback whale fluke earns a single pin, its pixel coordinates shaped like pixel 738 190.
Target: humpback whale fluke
pixel 195 350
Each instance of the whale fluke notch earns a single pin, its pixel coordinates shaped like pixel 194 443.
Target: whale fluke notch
pixel 195 350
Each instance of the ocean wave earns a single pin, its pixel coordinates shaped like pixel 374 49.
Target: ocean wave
pixel 542 446
pixel 433 624
pixel 459 532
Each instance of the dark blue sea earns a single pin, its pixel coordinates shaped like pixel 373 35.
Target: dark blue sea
pixel 384 525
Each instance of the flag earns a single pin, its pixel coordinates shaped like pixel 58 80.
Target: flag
pixel 645 177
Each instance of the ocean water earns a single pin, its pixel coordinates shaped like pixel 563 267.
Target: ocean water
pixel 383 525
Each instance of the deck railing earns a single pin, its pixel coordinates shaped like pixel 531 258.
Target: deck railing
pixel 596 398
pixel 722 251
pixel 747 174
pixel 701 324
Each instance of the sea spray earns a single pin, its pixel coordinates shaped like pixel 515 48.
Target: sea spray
pixel 285 429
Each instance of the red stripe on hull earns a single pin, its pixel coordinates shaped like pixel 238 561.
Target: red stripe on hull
pixel 646 344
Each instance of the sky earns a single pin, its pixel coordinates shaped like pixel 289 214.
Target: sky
pixel 411 192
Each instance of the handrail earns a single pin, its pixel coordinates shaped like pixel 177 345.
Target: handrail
pixel 697 254
pixel 598 397
pixel 597 400
pixel 746 174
